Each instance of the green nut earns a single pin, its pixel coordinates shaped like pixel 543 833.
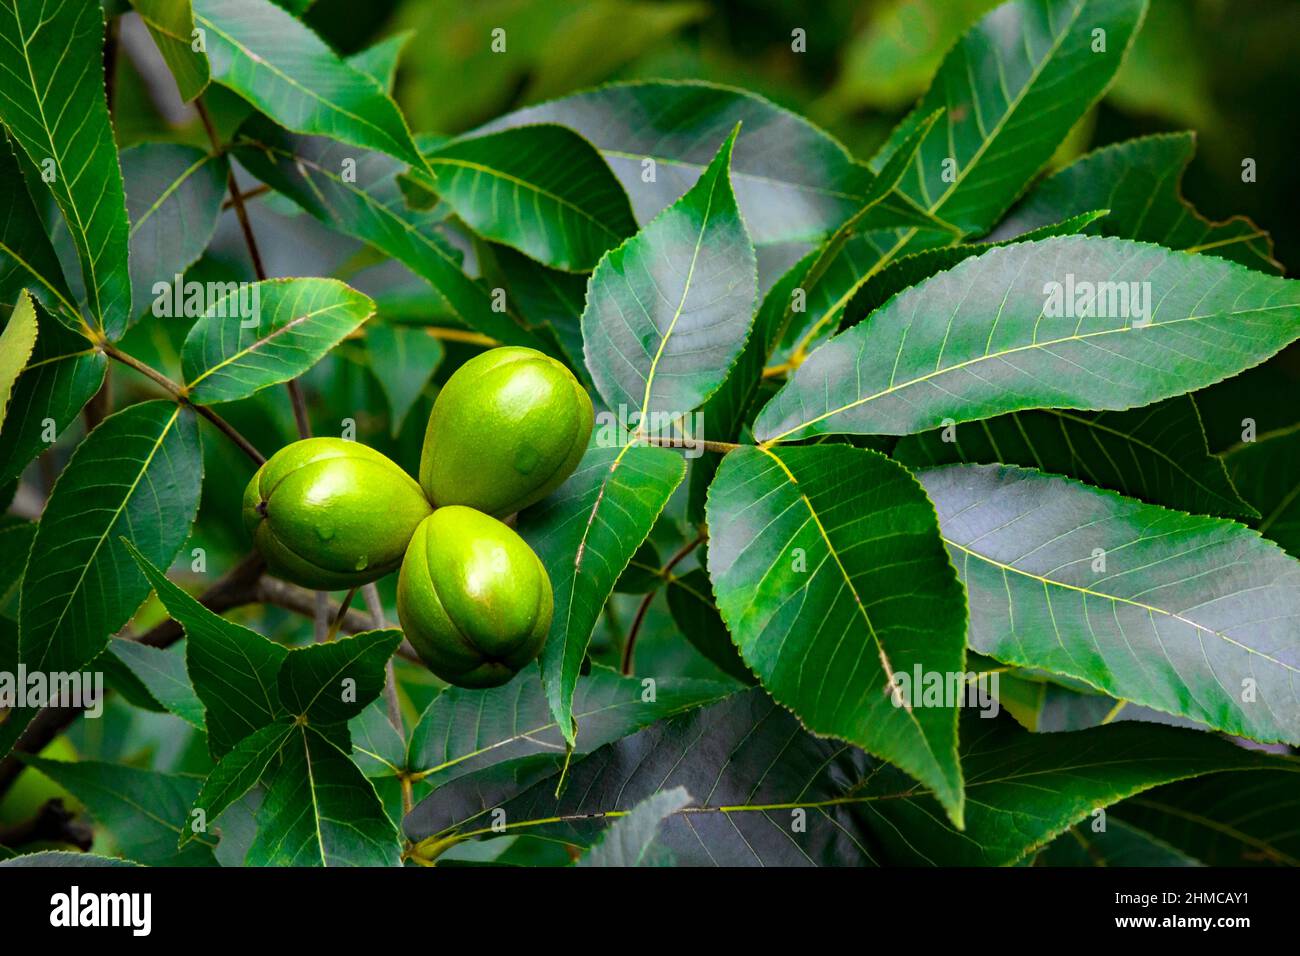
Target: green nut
pixel 473 598
pixel 331 514
pixel 507 429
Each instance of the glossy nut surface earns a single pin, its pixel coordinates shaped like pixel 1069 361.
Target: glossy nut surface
pixel 507 429
pixel 329 514
pixel 473 598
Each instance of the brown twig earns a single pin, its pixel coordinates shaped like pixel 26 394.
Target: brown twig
pixel 54 823
pixel 259 190
pixel 722 447
pixel 376 606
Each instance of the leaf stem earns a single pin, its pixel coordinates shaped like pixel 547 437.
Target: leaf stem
pixel 179 394
pixel 721 447
pixel 339 615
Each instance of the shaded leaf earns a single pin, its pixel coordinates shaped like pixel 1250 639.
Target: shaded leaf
pixel 163 673
pixel 403 358
pixel 173 198
pixel 1139 181
pixel 239 770
pixel 1267 473
pixel 631 840
pixel 754 772
pixel 1189 615
pixel 63 373
pixel 792 181
pixel 690 599
pixel 1156 453
pixel 27 258
pixel 145 811
pixel 1222 820
pixel 464 732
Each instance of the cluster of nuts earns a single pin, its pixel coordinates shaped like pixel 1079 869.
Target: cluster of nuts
pixel 473 598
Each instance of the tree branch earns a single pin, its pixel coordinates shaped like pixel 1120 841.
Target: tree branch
pixel 629 646
pixel 54 823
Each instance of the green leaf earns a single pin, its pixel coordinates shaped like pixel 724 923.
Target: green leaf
pixel 1222 820
pixel 542 189
pixel 631 840
pixel 403 358
pixel 144 811
pixel 793 182
pixel 760 773
pixel 824 561
pixel 27 258
pixel 173 197
pixel 1011 89
pixel 63 373
pixel 1192 616
pixel 1139 181
pixel 464 732
pixel 727 412
pixel 239 770
pixel 544 297
pixel 377 746
pixel 690 600
pixel 16 344
pixel 333 682
pixel 15 542
pixel 53 69
pixel 379 61
pixel 668 311
pixel 320 810
pixel 137 474
pixel 280 66
pixel 233 669
pixel 1267 473
pixel 585 534
pixel 847 259
pixel 171 23
pixel 227 355
pixel 63 858
pixel 1157 453
pixel 373 209
pixel 911 269
pixel 1117 845
pixel 987 337
pixel 162 672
